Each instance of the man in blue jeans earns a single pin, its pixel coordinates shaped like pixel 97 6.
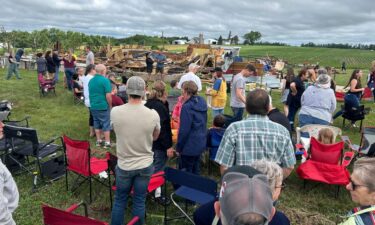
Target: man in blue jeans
pixel 237 92
pixel 134 150
pixel 101 103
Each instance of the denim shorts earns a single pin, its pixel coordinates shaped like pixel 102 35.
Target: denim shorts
pixel 101 119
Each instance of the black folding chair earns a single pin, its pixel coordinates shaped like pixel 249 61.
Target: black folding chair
pixel 5 143
pixel 190 187
pixel 47 164
pixel 353 114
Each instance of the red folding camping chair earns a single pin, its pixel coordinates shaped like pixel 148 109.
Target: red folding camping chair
pixel 53 216
pixel 157 179
pixel 79 160
pixel 326 164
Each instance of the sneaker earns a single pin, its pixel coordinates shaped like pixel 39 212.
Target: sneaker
pixel 107 145
pixel 99 143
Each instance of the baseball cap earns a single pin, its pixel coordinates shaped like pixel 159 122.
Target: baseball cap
pixel 241 194
pixel 135 86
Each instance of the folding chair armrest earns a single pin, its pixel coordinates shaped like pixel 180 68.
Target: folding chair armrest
pixel 50 142
pixel 25 119
pixel 76 205
pixel 133 221
pixel 347 141
pixel 347 159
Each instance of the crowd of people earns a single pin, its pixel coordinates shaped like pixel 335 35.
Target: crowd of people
pixel 255 154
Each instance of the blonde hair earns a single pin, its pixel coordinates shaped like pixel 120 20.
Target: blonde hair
pixel 158 90
pixel 326 136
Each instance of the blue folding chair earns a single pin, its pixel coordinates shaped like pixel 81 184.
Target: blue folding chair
pixel 190 187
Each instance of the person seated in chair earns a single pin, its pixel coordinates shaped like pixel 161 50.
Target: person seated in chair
pixel 353 96
pixel 326 136
pixel 318 102
pixel 77 88
pixel 362 191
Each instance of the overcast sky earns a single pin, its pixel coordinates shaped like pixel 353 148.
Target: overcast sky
pixel 288 21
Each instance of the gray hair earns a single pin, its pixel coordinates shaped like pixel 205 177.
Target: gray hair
pixel 273 172
pixel 111 74
pixel 322 71
pixel 364 168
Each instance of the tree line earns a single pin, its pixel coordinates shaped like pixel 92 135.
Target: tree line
pixel 340 45
pixel 46 39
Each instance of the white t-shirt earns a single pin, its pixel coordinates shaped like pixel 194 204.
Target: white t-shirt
pixel 86 81
pixel 134 126
pixel 190 76
pixel 9 196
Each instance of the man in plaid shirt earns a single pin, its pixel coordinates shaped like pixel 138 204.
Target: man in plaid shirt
pixel 256 138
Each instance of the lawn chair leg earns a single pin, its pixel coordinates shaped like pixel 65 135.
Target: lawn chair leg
pixel 66 179
pixel 337 191
pixel 360 127
pixel 110 188
pixel 35 182
pixel 304 184
pixel 343 122
pixel 165 205
pixel 90 189
pixel 40 168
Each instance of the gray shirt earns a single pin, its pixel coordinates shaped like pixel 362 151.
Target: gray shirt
pixel 8 196
pixel 238 82
pixel 89 58
pixel 318 102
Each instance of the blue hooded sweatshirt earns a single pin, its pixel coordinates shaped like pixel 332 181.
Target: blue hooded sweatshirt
pixel 192 133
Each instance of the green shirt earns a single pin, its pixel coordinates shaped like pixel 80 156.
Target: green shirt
pixel 99 86
pixel 255 138
pixel 174 92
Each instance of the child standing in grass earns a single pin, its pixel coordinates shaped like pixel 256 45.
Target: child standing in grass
pixel 215 134
pixel 174 91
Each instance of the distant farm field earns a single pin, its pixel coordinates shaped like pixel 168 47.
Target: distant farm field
pixel 354 58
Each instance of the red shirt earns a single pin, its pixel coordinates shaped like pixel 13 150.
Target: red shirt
pixel 68 64
pixel 116 101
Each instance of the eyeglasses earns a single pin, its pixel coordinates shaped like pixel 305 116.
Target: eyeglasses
pixel 354 185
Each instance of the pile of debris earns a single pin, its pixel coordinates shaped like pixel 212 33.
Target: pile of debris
pixel 133 57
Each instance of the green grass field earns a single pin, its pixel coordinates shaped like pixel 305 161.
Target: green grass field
pixel 54 116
